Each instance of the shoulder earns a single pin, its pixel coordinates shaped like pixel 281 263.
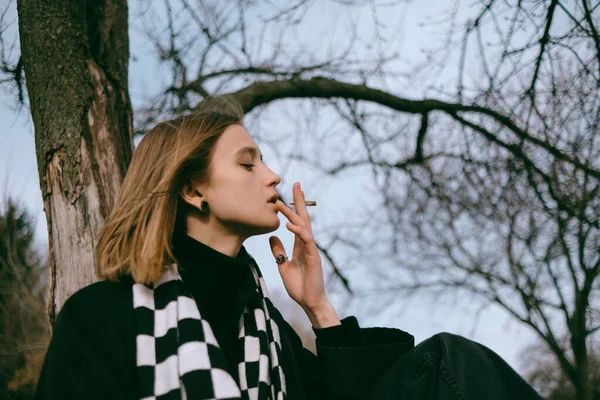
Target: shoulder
pixel 99 307
pixel 100 296
pixel 92 345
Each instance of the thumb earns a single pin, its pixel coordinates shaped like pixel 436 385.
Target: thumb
pixel 277 249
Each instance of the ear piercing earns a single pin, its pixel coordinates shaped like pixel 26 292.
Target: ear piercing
pixel 204 206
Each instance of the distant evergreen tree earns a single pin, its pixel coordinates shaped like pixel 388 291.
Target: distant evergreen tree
pixel 24 328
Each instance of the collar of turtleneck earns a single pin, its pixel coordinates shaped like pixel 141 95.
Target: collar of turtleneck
pixel 220 284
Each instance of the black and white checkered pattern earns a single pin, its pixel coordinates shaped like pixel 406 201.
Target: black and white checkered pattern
pixel 177 354
pixel 259 332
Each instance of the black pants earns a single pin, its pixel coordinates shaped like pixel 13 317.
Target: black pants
pixel 448 366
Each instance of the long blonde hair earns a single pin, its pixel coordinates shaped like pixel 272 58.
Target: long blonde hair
pixel 137 237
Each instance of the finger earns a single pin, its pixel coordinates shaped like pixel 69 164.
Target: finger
pixel 277 249
pixel 304 234
pixel 290 214
pixel 307 215
pixel 299 204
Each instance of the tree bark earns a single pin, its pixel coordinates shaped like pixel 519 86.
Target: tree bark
pixel 75 56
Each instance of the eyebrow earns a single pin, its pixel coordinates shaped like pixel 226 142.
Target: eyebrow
pixel 251 150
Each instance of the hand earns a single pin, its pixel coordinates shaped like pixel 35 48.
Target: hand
pixel 302 275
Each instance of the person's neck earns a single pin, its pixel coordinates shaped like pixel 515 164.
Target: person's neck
pixel 226 243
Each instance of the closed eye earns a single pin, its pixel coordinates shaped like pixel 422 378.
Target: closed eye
pixel 248 166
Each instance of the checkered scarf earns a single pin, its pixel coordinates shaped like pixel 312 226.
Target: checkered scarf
pixel 178 356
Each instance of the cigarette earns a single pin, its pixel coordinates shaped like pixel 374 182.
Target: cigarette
pixel 307 203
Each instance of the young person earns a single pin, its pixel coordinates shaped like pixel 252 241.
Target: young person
pixel 182 311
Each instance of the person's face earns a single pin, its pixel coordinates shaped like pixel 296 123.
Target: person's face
pixel 240 186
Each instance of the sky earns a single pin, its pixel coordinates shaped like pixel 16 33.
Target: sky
pixel 422 317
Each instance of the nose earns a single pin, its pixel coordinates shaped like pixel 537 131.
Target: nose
pixel 274 179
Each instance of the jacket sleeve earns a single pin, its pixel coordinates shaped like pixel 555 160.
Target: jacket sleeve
pixel 345 335
pixel 354 359
pixel 73 367
pixel 350 360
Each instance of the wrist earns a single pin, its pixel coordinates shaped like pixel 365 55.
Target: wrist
pixel 323 316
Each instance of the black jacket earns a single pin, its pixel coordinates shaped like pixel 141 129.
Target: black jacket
pixel 92 351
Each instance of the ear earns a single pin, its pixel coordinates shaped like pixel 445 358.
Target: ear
pixel 190 194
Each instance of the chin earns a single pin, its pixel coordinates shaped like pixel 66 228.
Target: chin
pixel 261 230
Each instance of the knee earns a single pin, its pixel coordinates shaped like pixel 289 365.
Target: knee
pixel 449 345
pixel 445 342
pixel 446 337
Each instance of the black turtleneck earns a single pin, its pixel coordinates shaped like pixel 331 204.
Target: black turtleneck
pixel 221 286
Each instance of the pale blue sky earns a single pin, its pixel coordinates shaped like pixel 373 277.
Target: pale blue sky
pixel 421 317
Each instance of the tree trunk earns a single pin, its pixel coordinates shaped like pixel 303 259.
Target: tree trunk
pixel 75 55
pixel 582 382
